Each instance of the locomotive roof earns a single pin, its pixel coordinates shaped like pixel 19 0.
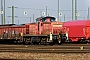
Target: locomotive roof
pixel 77 22
pixel 7 25
pixel 17 25
pixel 32 23
pixel 45 17
pixel 40 18
pixel 49 17
pixel 22 24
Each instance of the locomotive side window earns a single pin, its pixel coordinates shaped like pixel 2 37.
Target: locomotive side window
pixel 16 32
pixel 13 32
pixel 4 31
pixel 37 21
pixel 43 20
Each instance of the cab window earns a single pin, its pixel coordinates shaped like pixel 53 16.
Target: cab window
pixel 52 20
pixel 43 20
pixel 37 21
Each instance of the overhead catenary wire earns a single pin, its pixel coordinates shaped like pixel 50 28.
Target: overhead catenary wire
pixel 36 17
pixel 50 9
pixel 42 10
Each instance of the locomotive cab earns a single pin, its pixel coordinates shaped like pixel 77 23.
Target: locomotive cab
pixel 50 25
pixel 45 19
pixel 39 19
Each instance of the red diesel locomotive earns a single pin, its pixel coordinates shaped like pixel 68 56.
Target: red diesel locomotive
pixel 44 31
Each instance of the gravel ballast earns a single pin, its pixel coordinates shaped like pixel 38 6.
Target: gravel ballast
pixel 45 56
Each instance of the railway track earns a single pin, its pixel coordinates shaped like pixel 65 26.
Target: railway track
pixel 46 49
pixel 75 44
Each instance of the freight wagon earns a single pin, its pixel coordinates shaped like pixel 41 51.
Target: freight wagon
pixel 78 31
pixel 11 33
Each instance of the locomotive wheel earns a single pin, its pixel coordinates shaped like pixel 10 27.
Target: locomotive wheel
pixel 51 43
pixel 46 41
pixel 27 41
pixel 15 42
pixel 43 41
pixel 19 42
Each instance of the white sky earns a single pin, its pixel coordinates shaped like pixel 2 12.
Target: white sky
pixel 40 4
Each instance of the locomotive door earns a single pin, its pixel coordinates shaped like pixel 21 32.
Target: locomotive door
pixel 27 29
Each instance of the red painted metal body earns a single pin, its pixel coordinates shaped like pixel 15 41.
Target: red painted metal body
pixel 17 29
pixel 48 24
pixel 44 26
pixel 77 30
pixel 11 32
pixel 31 28
pixel 12 29
pixel 1 30
pixel 53 27
pixel 44 30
